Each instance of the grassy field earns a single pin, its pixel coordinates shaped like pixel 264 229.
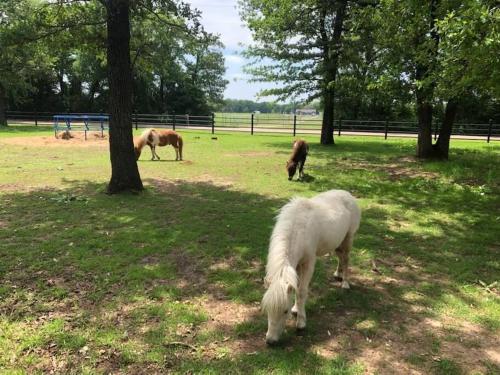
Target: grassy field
pixel 169 281
pixel 266 120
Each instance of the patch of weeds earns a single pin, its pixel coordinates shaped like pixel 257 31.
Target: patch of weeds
pixel 250 328
pixel 435 344
pixel 446 367
pixel 54 334
pixel 417 360
pixel 491 368
pixel 341 366
pixel 237 287
pixel 68 198
pixel 162 292
pixel 367 326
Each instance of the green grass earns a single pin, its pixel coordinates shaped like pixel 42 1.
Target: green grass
pixel 170 280
pixel 266 120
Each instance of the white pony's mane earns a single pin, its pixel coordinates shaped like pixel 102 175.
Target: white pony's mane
pixel 280 274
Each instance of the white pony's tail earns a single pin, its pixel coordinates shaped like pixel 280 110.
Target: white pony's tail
pixel 282 284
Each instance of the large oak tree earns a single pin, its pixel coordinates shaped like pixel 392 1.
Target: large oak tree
pixel 124 171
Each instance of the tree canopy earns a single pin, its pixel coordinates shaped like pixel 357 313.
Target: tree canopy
pixel 436 60
pixel 54 57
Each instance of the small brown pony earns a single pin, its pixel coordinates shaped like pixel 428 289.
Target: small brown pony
pixel 298 159
pixel 154 137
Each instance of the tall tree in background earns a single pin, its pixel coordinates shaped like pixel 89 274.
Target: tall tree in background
pixel 20 63
pixel 469 61
pixel 446 51
pixel 298 44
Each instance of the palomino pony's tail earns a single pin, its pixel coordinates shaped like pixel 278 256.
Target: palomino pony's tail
pixel 280 287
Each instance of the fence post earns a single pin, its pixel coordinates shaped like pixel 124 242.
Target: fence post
pixel 294 124
pixel 251 124
pixel 173 122
pixel 386 128
pixel 436 130
pixel 135 118
pixel 490 126
pixel 36 118
pixel 340 125
pixel 213 123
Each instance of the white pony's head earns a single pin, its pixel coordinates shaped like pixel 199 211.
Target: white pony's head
pixel 277 303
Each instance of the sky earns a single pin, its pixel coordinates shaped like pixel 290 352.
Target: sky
pixel 221 17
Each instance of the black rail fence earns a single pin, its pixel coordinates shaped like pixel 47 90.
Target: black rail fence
pixel 264 123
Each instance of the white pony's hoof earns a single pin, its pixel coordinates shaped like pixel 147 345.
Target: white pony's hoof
pixel 345 285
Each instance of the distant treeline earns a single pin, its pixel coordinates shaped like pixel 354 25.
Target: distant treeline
pixel 246 106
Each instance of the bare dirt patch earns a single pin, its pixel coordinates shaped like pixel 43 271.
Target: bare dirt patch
pixel 225 316
pixel 93 139
pixel 19 187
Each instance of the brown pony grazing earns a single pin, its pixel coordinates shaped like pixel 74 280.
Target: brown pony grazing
pixel 298 158
pixel 154 137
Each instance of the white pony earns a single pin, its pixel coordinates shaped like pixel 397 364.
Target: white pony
pixel 306 229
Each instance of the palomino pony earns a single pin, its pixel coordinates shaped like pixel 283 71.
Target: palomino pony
pixel 154 137
pixel 298 158
pixel 306 229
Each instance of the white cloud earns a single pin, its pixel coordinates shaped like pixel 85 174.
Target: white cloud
pixel 237 76
pixel 234 59
pixel 222 17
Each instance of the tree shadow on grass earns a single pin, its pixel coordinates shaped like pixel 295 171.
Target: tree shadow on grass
pixel 126 276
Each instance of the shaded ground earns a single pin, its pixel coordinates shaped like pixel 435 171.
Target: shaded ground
pixel 170 281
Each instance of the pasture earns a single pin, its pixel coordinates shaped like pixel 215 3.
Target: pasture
pixel 170 280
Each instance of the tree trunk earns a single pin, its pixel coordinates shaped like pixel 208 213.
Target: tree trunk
pixel 3 107
pixel 332 53
pixel 327 124
pixel 162 95
pixel 425 94
pixel 424 114
pixel 124 172
pixel 442 146
pixel 75 95
pixel 93 89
